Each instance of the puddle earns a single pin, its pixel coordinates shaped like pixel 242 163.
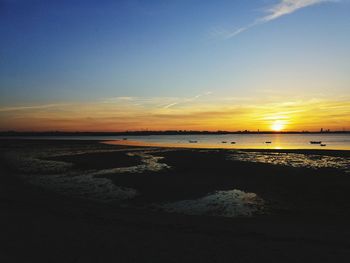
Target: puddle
pixel 232 203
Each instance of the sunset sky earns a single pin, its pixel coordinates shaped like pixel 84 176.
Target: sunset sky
pixel 83 65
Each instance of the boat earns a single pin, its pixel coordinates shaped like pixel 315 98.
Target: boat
pixel 315 142
pixel 224 142
pixel 268 142
pixel 190 141
pixel 322 144
pixel 233 142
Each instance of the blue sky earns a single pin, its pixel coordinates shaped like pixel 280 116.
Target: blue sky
pixel 84 51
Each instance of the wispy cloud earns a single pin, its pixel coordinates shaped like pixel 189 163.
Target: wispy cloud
pixel 31 107
pixel 185 100
pixel 284 7
pixel 289 6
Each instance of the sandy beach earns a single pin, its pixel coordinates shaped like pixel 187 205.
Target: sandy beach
pixel 85 201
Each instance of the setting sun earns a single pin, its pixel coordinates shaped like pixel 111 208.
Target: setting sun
pixel 278 125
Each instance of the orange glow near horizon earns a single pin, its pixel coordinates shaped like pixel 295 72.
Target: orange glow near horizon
pixel 122 114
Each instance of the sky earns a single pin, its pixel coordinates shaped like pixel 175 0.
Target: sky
pixel 103 65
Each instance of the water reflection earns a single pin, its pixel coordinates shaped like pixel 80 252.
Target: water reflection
pixel 232 203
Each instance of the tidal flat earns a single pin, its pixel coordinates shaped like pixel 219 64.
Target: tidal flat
pixel 87 201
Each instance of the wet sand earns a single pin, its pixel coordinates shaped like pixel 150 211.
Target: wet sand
pixel 305 215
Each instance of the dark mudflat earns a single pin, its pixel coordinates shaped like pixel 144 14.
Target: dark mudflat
pixel 106 160
pixel 37 225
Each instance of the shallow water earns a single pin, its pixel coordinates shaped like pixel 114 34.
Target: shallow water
pixel 243 141
pixel 312 161
pixel 59 176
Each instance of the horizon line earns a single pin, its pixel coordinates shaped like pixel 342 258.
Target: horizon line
pixel 131 132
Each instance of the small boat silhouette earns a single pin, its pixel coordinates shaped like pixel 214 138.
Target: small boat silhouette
pixel 315 142
pixel 268 142
pixel 190 141
pixel 322 144
pixel 233 142
pixel 224 142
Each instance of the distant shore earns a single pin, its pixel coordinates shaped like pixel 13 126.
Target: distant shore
pixel 145 133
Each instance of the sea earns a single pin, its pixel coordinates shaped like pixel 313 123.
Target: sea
pixel 226 141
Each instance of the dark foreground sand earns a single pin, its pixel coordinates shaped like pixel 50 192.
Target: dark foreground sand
pixel 306 218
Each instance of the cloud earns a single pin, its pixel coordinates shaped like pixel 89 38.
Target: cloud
pixel 186 100
pixel 289 6
pixel 284 7
pixel 32 107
